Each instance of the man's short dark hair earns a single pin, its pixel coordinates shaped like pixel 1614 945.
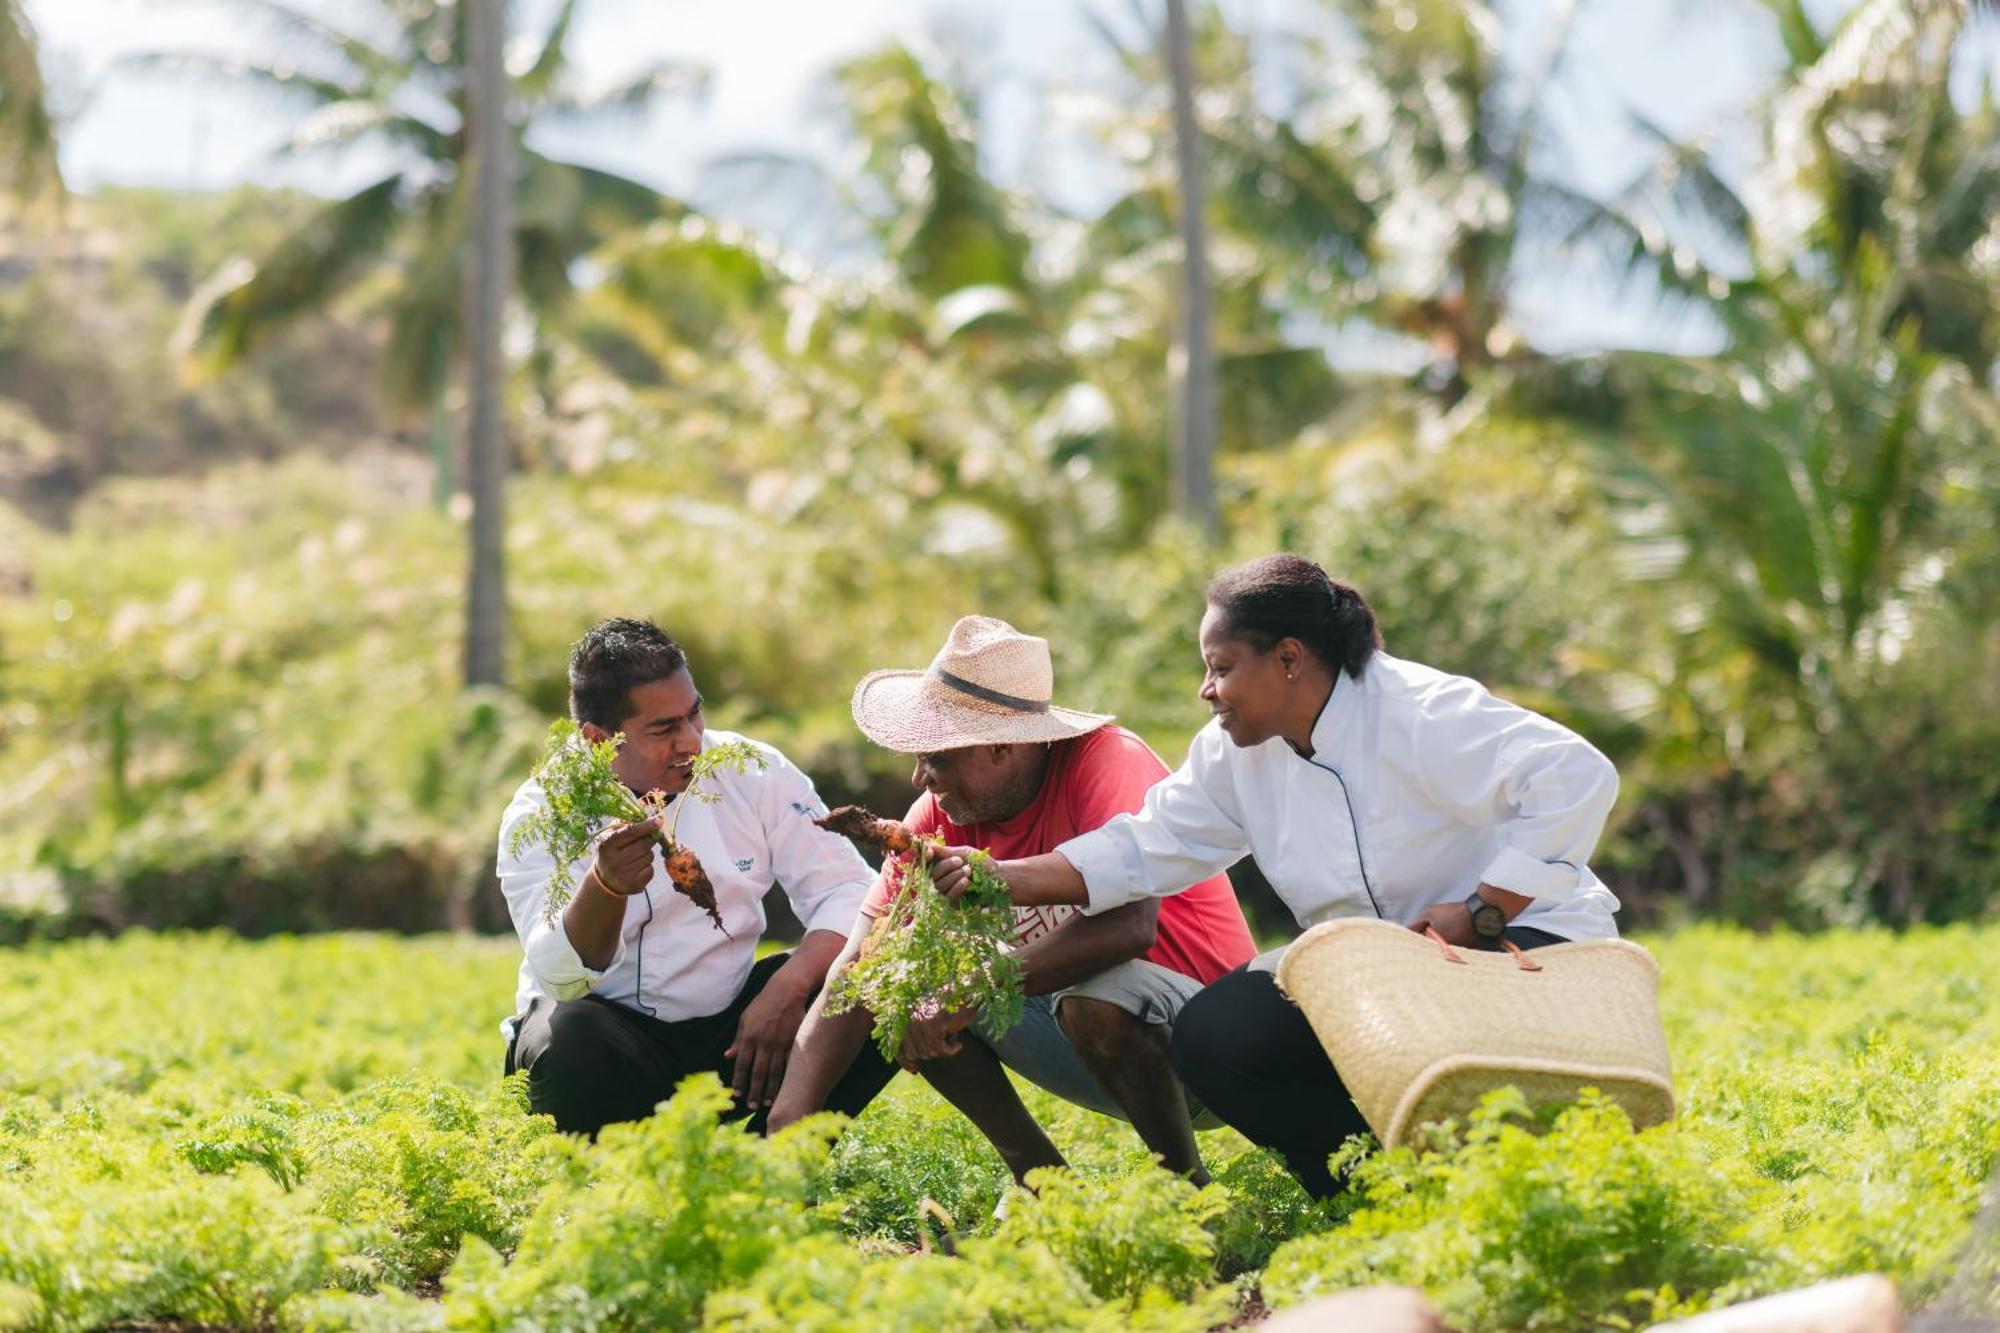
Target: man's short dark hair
pixel 611 660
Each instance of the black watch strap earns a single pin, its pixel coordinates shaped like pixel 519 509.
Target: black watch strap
pixel 1488 921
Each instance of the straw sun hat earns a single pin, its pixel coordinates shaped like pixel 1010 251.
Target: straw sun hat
pixel 989 685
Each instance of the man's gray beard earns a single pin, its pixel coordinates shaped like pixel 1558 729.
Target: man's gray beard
pixel 1003 805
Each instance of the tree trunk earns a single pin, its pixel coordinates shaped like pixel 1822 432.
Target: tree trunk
pixel 491 243
pixel 1194 428
pixel 443 483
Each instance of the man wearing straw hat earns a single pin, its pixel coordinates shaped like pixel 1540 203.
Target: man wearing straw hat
pixel 1000 766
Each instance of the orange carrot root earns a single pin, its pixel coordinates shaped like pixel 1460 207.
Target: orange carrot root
pixel 684 868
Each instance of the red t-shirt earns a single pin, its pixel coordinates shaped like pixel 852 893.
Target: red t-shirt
pixel 1202 933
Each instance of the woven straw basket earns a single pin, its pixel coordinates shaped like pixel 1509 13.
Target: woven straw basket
pixel 1419 1031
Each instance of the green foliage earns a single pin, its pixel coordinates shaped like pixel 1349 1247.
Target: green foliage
pixel 1770 594
pixel 88 383
pixel 1743 598
pixel 1839 1113
pixel 412 1167
pixel 1266 1208
pixel 28 166
pixel 907 1150
pixel 259 1135
pixel 1584 1226
pixel 408 1167
pixel 1141 1240
pixel 267 731
pixel 365 82
pixel 227 1254
pixel 583 795
pixel 644 1223
pixel 830 1287
pixel 389 1311
pixel 934 956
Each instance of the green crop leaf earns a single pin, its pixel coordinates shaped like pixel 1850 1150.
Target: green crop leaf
pixel 585 798
pixel 933 956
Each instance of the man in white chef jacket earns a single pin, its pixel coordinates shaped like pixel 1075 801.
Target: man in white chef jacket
pixel 630 987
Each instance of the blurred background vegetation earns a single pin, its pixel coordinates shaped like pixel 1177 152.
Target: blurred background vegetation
pixel 1763 575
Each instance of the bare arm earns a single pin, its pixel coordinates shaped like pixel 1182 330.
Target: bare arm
pixel 808 966
pixel 622 867
pixel 825 1045
pixel 1454 922
pixel 771 1022
pixel 1083 946
pixel 1034 881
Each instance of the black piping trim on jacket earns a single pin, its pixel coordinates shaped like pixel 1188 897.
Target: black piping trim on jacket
pixel 639 962
pixel 1353 824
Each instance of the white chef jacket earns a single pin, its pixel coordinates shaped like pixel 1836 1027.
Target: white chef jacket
pixel 1422 786
pixel 671 962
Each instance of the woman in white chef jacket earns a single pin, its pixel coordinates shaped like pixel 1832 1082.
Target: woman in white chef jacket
pixel 1364 785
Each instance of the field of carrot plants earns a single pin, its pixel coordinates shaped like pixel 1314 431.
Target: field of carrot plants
pixel 312 1134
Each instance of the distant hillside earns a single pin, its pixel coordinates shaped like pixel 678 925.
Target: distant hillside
pixel 90 385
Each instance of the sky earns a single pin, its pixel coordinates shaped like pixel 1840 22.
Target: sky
pixel 767 60
pixel 1691 66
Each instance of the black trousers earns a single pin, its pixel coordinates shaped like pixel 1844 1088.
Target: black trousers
pixel 593 1062
pixel 1249 1054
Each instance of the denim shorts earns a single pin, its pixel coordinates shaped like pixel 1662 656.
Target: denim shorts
pixel 1036 1049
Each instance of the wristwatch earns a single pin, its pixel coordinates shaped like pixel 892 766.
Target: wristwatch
pixel 1488 921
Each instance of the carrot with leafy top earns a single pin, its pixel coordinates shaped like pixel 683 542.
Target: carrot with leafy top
pixel 585 797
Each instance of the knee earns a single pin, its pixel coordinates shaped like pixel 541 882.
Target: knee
pixel 1200 1049
pixel 578 1038
pixel 1100 1030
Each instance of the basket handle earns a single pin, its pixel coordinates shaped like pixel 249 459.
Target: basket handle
pixel 1451 955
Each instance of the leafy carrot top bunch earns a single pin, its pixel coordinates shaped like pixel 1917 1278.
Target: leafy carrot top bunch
pixel 585 797
pixel 930 956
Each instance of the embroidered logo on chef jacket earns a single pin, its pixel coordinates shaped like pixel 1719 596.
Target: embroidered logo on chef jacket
pixel 744 863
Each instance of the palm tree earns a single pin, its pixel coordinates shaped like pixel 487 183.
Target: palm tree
pixel 1084 331
pixel 29 171
pixel 407 92
pixel 1001 375
pixel 1406 183
pixel 418 92
pixel 1194 423
pixel 491 144
pixel 1800 467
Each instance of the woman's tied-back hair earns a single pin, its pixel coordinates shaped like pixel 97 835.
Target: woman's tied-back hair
pixel 1288 596
pixel 611 660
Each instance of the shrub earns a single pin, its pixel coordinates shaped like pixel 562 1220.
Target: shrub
pixel 1839 1102
pixel 1577 1227
pixel 83 1252
pixel 1132 1239
pixel 638 1228
pixel 1266 1208
pixel 260 1135
pixel 831 1287
pixel 417 1166
pixel 907 1149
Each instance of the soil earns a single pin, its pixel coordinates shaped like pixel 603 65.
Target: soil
pixel 883 835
